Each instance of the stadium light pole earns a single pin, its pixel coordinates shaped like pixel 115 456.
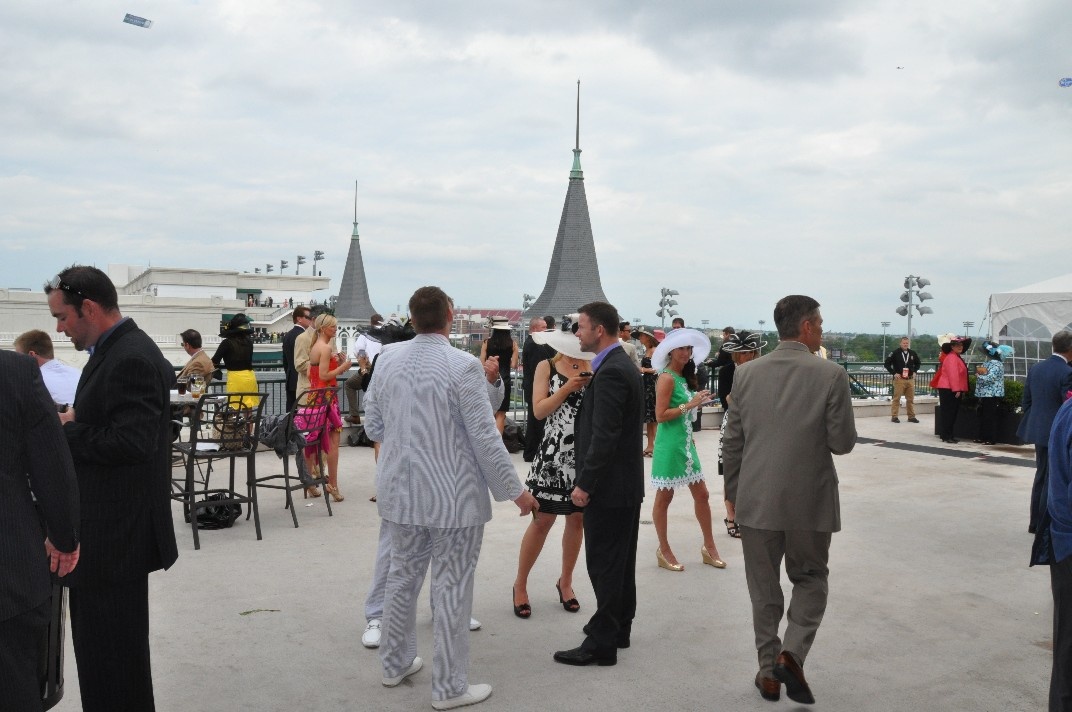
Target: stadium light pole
pixel 885 325
pixel 913 290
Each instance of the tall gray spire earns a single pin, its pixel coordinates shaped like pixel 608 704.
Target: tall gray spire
pixel 354 303
pixel 573 277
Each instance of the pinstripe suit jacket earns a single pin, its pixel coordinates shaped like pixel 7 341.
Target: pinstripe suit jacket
pixel 33 445
pixel 428 406
pixel 121 444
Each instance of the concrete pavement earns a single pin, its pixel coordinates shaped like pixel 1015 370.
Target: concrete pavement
pixel 932 604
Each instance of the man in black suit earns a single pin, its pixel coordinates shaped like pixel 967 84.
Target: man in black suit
pixel 34 446
pixel 119 433
pixel 610 485
pixel 301 320
pixel 531 355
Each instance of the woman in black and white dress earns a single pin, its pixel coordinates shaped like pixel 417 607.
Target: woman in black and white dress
pixel 558 386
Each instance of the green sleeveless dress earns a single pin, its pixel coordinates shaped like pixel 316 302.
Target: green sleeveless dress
pixel 675 462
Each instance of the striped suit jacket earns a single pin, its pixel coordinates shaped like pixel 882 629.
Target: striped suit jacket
pixel 33 445
pixel 440 454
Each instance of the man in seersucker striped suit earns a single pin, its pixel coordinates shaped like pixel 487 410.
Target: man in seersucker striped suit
pixel 440 455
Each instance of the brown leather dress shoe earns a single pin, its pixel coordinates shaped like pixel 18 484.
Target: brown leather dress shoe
pixel 768 687
pixel 788 671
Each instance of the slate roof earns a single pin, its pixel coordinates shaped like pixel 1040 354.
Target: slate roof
pixel 354 304
pixel 573 276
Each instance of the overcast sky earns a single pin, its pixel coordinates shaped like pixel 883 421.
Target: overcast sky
pixel 734 151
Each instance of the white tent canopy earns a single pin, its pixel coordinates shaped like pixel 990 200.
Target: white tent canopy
pixel 1026 318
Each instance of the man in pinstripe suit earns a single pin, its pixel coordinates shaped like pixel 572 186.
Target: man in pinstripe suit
pixel 34 446
pixel 441 453
pixel 119 433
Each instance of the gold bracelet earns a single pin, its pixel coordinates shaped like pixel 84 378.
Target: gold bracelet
pixel 682 408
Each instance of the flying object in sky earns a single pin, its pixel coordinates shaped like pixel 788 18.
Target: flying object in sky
pixel 1066 82
pixel 139 21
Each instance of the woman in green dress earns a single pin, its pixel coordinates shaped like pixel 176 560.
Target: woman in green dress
pixel 676 463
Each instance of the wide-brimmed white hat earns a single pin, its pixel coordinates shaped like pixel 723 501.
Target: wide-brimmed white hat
pixel 564 342
pixel 701 346
pixel 498 322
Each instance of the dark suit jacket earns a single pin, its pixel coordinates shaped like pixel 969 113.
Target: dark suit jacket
pixel 33 445
pixel 896 361
pixel 1047 383
pixel 531 355
pixel 288 357
pixel 121 444
pixel 609 431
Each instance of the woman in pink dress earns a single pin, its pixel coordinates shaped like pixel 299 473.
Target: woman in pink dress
pixel 325 365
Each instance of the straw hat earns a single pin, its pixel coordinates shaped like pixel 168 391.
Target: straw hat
pixel 701 346
pixel 564 342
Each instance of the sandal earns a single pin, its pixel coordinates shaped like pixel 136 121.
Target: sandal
pixel 732 528
pixel 521 610
pixel 648 453
pixel 572 605
pixel 311 491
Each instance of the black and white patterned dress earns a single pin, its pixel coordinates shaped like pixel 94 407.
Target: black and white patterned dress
pixel 554 468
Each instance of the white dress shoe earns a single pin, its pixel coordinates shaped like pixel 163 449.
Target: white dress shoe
pixel 413 667
pixel 371 637
pixel 475 694
pixel 474 624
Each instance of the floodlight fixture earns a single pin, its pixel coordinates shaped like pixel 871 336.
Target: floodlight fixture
pixel 924 296
pixel 924 310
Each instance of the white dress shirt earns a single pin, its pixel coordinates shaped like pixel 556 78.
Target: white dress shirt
pixel 61 380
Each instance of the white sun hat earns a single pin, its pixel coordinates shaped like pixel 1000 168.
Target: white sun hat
pixel 701 346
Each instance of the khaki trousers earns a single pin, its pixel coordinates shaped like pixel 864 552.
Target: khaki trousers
pixel 905 387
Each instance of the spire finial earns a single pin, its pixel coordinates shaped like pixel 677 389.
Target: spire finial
pixel 576 172
pixel 355 235
pixel 578 146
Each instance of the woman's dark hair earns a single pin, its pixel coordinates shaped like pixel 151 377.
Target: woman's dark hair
pixel 689 374
pixel 500 340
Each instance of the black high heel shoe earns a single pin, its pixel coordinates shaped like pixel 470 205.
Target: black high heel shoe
pixel 572 605
pixel 522 610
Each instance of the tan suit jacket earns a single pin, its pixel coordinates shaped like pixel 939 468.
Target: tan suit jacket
pixel 790 413
pixel 302 345
pixel 200 364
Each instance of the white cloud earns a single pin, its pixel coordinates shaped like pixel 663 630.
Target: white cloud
pixel 734 151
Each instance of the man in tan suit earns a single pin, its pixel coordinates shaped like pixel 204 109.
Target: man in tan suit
pixel 791 413
pixel 199 363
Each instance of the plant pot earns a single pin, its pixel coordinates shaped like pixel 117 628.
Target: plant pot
pixel 967 425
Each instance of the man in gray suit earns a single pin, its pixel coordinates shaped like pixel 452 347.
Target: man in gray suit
pixel 441 453
pixel 791 412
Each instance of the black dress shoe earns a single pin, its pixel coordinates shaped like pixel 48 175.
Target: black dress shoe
pixel 790 673
pixel 895 419
pixel 913 420
pixel 580 656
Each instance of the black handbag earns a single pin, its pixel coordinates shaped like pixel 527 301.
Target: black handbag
pixel 218 516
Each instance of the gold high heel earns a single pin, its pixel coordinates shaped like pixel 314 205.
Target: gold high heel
pixel 664 564
pixel 334 492
pixel 710 560
pixel 311 491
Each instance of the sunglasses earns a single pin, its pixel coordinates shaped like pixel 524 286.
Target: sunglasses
pixel 57 283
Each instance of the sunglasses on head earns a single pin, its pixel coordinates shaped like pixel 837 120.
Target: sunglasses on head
pixel 57 283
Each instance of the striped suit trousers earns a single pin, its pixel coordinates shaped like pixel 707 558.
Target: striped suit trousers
pixel 453 555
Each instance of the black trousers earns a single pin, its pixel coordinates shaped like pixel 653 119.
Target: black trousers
pixel 950 406
pixel 110 630
pixel 988 419
pixel 533 427
pixel 23 640
pixel 1061 676
pixel 610 544
pixel 1042 470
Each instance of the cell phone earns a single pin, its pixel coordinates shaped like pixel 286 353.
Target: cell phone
pixel 361 353
pixel 586 374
